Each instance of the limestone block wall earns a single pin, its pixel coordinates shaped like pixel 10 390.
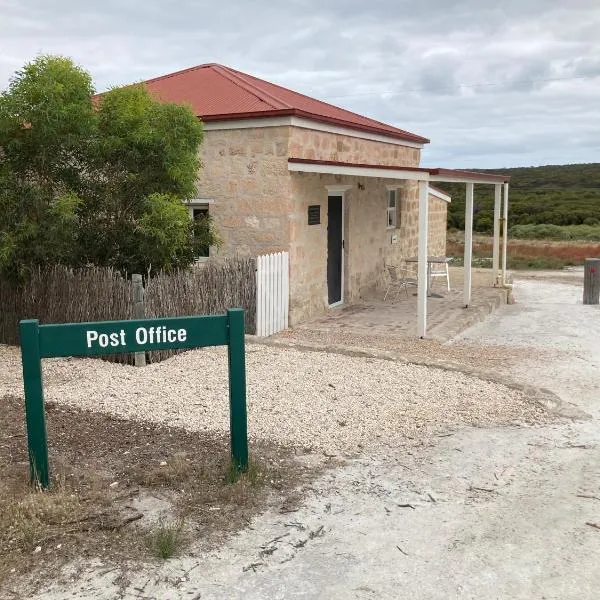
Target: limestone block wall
pixel 438 221
pixel 260 207
pixel 320 145
pixel 245 171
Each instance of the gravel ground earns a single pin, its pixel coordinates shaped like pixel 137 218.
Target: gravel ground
pixel 315 400
pixel 471 354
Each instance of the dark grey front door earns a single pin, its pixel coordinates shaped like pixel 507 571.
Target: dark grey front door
pixel 334 249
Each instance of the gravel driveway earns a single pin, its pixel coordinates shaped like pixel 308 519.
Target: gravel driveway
pixel 329 402
pixel 483 513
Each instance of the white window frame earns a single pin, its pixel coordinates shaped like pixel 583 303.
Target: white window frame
pixel 391 210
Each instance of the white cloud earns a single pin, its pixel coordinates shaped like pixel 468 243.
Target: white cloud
pixel 473 75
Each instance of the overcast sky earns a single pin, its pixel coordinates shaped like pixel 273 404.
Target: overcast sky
pixel 492 83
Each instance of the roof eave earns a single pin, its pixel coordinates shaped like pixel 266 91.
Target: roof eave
pixel 408 137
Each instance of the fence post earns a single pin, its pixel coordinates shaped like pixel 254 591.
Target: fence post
pixel 591 281
pixel 139 312
pixel 37 442
pixel 238 420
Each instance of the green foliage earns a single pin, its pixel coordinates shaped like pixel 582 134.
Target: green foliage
pixel 555 194
pixel 165 541
pixel 588 233
pixel 99 182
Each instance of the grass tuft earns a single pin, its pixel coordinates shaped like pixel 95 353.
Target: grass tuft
pixel 252 473
pixel 167 539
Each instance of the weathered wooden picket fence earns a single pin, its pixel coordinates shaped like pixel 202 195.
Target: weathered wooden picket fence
pixel 272 293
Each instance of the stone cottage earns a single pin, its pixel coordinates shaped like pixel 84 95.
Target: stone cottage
pixel 282 171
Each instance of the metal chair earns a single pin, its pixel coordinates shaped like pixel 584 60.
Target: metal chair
pixel 398 279
pixel 439 270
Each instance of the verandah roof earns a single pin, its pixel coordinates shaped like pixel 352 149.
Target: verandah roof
pixel 308 165
pixel 424 176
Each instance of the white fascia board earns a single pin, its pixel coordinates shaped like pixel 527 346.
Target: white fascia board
pixel 359 171
pixel 305 123
pixel 439 194
pixel 364 135
pixel 450 179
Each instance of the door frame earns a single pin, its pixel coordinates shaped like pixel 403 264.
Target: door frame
pixel 339 191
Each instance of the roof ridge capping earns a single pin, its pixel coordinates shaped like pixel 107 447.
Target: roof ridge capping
pixel 180 72
pixel 237 77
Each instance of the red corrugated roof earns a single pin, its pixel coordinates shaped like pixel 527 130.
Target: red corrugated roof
pixel 218 93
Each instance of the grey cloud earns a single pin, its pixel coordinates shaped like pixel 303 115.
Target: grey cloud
pixel 415 65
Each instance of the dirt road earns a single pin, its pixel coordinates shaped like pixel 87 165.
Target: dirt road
pixel 483 513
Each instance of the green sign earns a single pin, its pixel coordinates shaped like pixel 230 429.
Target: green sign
pixel 115 337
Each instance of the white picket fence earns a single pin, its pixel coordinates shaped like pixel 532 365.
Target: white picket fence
pixel 272 293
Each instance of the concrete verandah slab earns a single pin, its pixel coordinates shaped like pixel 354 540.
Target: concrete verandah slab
pixel 397 316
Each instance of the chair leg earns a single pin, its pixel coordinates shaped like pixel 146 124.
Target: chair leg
pixel 448 276
pixel 387 291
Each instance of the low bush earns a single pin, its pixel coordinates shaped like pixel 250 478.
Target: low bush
pixel 587 232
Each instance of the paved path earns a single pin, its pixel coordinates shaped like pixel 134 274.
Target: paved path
pixel 482 514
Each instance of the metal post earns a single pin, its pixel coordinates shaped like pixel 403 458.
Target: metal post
pixel 139 312
pixel 505 233
pixel 238 421
pixel 422 260
pixel 34 403
pixel 468 244
pixel 496 246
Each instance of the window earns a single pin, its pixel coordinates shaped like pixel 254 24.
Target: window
pixel 391 209
pixel 198 212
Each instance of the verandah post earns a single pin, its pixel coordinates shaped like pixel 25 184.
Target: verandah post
pixel 237 389
pixel 37 442
pixel 496 245
pixel 504 233
pixel 422 283
pixel 468 244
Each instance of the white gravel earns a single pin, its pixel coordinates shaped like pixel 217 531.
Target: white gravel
pixel 321 400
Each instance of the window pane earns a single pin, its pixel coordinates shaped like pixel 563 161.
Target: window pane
pixel 198 213
pixel 392 199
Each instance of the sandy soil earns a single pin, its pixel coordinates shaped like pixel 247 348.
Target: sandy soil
pixel 482 513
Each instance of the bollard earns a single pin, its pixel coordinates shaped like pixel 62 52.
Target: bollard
pixel 591 281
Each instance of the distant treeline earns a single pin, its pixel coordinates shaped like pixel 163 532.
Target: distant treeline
pixel 553 194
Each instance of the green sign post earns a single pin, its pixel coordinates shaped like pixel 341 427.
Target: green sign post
pixel 114 337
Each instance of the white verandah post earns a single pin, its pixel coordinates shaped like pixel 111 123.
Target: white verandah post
pixel 422 258
pixel 468 243
pixel 505 233
pixel 496 245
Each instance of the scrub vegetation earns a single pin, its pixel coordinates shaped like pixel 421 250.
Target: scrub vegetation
pixel 95 180
pixel 559 202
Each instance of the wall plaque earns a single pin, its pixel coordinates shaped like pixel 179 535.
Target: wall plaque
pixel 314 214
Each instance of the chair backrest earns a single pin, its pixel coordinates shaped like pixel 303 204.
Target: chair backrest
pixel 392 271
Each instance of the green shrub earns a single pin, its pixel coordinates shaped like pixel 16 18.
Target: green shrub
pixel 590 233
